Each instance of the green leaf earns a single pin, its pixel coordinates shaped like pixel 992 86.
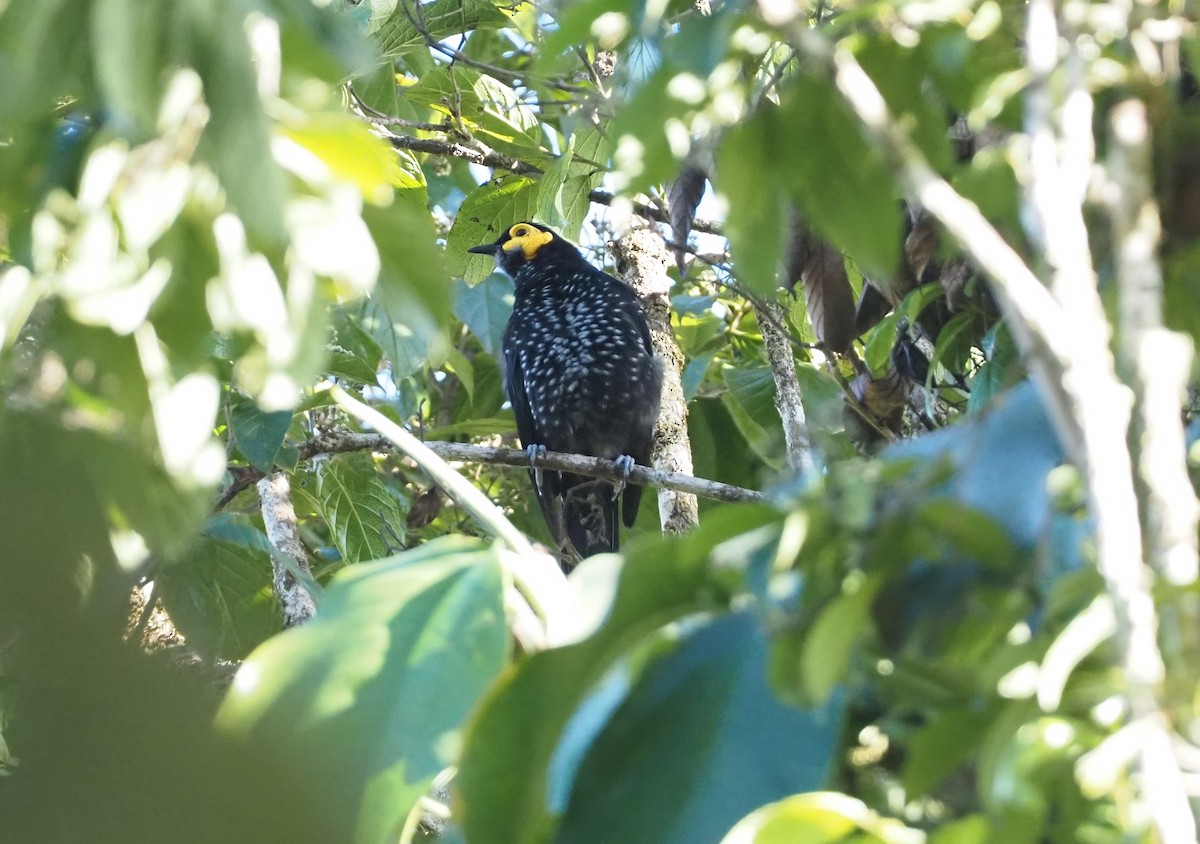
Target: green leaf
pixel 699 742
pixel 551 184
pixel 505 770
pixel 485 105
pixel 841 627
pixel 488 210
pixel 363 517
pixel 355 354
pixel 756 209
pixel 971 533
pixel 750 399
pixel 218 592
pixel 398 33
pixel 1001 460
pixel 819 818
pixel 587 172
pixel 128 38
pixel 901 76
pixel 351 151
pixel 413 271
pixel 840 182
pixel 407 343
pixel 238 131
pixel 485 309
pixel 368 698
pixel 941 745
pixel 257 434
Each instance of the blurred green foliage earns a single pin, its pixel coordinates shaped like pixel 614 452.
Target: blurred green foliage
pixel 208 210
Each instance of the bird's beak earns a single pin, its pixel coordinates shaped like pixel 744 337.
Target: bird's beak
pixel 486 249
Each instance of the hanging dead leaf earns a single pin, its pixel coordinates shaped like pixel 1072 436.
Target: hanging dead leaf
pixel 828 296
pixel 682 201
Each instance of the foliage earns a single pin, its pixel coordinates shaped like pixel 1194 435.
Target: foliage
pixel 211 211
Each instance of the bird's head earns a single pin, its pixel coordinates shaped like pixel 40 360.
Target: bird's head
pixel 521 244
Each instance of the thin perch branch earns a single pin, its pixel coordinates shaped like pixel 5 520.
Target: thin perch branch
pixel 336 442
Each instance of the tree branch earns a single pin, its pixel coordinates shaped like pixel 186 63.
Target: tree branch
pixel 336 442
pixel 500 161
pixel 642 262
pixel 279 519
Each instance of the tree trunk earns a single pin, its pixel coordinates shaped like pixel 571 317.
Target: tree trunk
pixel 642 260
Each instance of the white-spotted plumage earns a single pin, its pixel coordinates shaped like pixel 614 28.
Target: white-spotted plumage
pixel 582 378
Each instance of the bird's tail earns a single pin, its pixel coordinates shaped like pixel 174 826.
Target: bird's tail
pixel 589 515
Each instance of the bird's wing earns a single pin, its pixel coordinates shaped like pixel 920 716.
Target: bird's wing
pixel 547 491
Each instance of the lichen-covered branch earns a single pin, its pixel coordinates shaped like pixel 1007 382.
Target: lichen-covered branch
pixel 336 442
pixel 642 260
pixel 279 519
pixel 787 388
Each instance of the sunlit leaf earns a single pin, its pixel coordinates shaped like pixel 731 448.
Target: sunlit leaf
pixel 369 697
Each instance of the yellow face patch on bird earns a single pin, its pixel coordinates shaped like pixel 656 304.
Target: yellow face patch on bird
pixel 527 238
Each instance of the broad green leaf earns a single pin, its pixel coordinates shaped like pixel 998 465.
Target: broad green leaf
pixel 413 273
pixel 47 50
pixel 354 354
pixel 504 775
pixel 408 343
pixel 368 698
pixel 750 399
pixel 945 742
pixel 485 309
pixel 839 181
pixel 363 517
pixel 1001 369
pixel 590 163
pixel 399 34
pixel 901 76
pixel 218 592
pixel 820 818
pixel 551 184
pixel 351 151
pixel 756 208
pixel 839 630
pixel 485 105
pixel 1001 461
pixel 488 210
pixel 699 742
pixel 238 129
pixel 257 434
pixel 128 36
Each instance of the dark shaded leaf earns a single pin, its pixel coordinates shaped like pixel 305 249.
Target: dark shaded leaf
pixel 505 773
pixel 699 742
pixel 257 434
pixel 218 592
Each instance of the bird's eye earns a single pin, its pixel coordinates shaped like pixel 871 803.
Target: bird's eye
pixel 520 231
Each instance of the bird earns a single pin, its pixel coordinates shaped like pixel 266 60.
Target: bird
pixel 582 378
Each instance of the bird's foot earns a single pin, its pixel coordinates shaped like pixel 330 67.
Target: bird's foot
pixel 536 452
pixel 625 463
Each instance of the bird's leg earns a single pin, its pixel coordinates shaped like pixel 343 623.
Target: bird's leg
pixel 536 452
pixel 625 463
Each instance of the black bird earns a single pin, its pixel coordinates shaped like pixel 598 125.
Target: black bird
pixel 582 379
